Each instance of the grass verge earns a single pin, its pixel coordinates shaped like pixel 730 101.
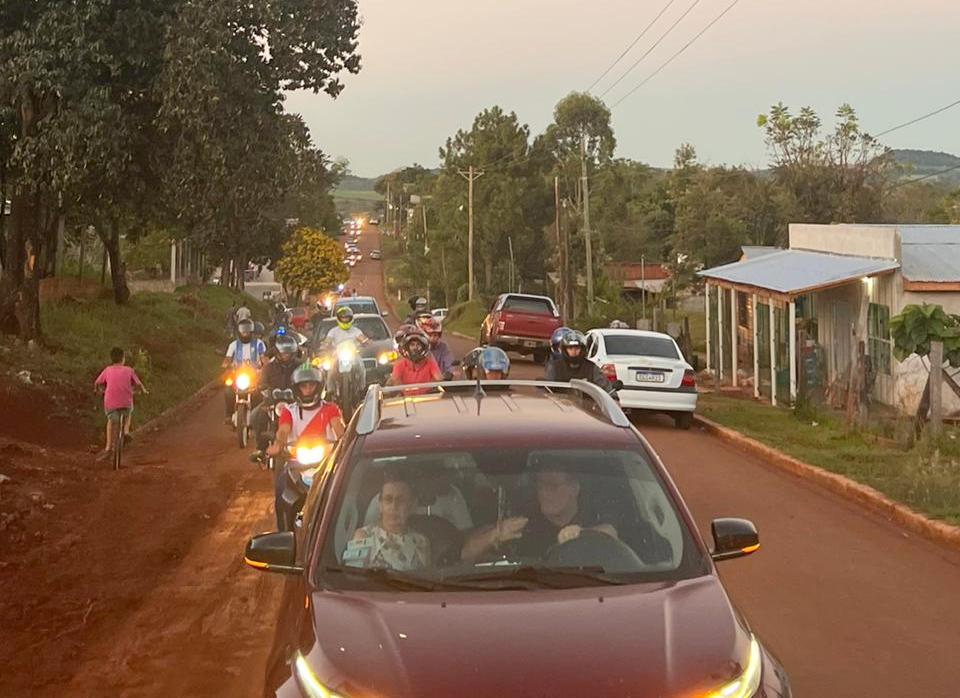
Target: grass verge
pixel 926 478
pixel 465 318
pixel 174 341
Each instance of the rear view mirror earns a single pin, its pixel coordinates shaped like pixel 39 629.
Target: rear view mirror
pixel 733 538
pixel 273 552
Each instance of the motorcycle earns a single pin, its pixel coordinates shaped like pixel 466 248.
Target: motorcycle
pixel 293 482
pixel 348 376
pixel 243 381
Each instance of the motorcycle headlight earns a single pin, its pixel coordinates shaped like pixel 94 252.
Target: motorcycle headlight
pixel 229 381
pixel 310 455
pixel 308 682
pixel 243 381
pixel 386 357
pixel 346 352
pixel 745 685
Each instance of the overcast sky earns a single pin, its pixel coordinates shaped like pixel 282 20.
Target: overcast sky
pixel 430 65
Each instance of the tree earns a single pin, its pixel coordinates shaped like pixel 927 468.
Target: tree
pixel 311 262
pixel 840 177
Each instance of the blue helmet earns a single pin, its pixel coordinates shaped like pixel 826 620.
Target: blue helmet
pixel 555 341
pixel 494 359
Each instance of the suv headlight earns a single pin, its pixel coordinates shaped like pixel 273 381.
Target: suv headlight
pixel 745 685
pixel 311 686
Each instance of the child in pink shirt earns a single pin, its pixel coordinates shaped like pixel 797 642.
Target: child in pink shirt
pixel 117 382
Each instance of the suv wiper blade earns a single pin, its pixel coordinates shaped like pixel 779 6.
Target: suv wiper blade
pixel 389 577
pixel 550 577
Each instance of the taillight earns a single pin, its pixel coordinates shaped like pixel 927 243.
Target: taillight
pixel 610 371
pixel 689 379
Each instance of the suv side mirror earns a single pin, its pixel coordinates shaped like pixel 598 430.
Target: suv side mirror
pixel 733 538
pixel 273 552
pixel 617 384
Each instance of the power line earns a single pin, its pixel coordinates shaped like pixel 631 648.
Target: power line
pixel 628 48
pixel 677 54
pixel 920 179
pixel 650 50
pixel 918 119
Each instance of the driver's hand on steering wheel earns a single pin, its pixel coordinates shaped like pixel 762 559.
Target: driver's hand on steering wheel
pixel 568 533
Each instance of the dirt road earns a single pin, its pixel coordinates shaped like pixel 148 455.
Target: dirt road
pixel 134 585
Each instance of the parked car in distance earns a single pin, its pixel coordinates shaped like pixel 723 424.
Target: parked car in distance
pixel 374 221
pixel 654 374
pixel 522 323
pixel 447 611
pixel 440 314
pixel 376 254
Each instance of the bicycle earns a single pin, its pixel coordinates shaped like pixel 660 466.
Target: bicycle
pixel 118 438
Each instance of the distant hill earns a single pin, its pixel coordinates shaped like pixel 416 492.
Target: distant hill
pixel 922 163
pixel 355 183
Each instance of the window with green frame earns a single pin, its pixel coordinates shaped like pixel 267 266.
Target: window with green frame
pixel 878 336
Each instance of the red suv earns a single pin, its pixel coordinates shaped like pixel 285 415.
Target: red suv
pixel 519 540
pixel 522 323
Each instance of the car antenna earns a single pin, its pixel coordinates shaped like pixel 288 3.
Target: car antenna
pixel 479 394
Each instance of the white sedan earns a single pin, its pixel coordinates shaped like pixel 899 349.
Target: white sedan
pixel 654 373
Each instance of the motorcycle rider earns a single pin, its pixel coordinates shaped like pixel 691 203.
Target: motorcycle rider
pixel 418 306
pixel 438 348
pixel 310 416
pixel 555 341
pixel 345 329
pixel 276 375
pixel 415 364
pixel 493 364
pixel 573 363
pixel 245 350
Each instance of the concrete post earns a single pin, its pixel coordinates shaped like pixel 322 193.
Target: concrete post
pixel 733 338
pixel 706 304
pixel 720 332
pixel 756 349
pixel 793 351
pixel 773 356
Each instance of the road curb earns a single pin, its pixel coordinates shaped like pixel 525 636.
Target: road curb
pixel 170 415
pixel 863 495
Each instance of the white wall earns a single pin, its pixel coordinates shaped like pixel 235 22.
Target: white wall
pixel 860 240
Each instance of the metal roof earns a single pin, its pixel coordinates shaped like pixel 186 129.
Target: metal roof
pixel 931 252
pixel 791 272
pixel 754 251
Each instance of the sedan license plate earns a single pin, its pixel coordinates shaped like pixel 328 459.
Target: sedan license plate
pixel 528 343
pixel 649 377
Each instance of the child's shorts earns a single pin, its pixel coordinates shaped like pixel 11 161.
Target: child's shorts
pixel 114 415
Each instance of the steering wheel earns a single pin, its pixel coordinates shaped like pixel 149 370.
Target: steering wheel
pixel 594 549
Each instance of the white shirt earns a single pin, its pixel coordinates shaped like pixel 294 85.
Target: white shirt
pixel 338 335
pixel 243 313
pixel 246 350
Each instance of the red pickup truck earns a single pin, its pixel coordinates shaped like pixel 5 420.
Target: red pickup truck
pixel 522 323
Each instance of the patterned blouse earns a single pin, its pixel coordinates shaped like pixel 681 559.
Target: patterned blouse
pixel 372 546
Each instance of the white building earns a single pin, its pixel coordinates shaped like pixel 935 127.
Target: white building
pixel 832 291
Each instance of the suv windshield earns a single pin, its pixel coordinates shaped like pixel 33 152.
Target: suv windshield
pixel 359 307
pixel 534 306
pixel 506 518
pixel 373 327
pixel 638 345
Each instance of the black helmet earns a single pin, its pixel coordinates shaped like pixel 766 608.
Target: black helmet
pixel 286 346
pixel 570 340
pixel 415 345
pixel 307 374
pixel 494 359
pixel 245 329
pixel 259 329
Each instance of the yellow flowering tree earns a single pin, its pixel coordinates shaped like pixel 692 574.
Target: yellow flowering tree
pixel 311 262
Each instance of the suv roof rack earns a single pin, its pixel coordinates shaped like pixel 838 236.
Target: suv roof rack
pixel 369 418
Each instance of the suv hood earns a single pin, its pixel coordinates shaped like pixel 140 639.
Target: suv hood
pixel 678 640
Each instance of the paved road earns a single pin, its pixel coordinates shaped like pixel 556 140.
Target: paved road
pixel 852 605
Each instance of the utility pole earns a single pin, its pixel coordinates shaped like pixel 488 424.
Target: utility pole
pixel 561 251
pixel 387 204
pixel 470 175
pixel 586 219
